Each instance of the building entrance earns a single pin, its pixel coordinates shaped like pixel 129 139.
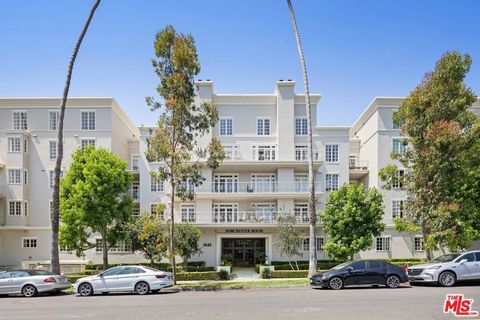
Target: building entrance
pixel 246 252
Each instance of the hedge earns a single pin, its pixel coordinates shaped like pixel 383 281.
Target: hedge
pixel 75 277
pixel 290 274
pixel 193 266
pixel 191 276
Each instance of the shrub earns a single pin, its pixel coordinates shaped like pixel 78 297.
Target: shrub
pixel 75 277
pixel 223 275
pixel 289 274
pixel 199 276
pixel 266 274
pixel 194 266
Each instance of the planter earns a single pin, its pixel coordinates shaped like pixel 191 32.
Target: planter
pixel 226 268
pixel 261 268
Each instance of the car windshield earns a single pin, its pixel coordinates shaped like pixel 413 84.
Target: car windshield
pixel 340 266
pixel 446 258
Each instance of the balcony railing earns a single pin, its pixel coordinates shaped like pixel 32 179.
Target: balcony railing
pixel 358 164
pixel 255 187
pixel 233 216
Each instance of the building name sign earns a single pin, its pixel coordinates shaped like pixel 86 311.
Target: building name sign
pixel 243 230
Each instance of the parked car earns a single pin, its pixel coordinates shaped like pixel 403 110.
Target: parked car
pixel 30 282
pixel 447 269
pixel 362 272
pixel 139 279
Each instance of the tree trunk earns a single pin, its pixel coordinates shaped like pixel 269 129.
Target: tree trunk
pixel 185 264
pixel 104 250
pixel 172 235
pixel 55 217
pixel 312 214
pixel 351 257
pixel 428 253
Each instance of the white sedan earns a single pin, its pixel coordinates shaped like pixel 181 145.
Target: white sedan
pixel 139 279
pixel 31 282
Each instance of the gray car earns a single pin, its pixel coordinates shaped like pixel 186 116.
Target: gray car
pixel 446 270
pixel 30 282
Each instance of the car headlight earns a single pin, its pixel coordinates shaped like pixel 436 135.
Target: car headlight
pixel 434 268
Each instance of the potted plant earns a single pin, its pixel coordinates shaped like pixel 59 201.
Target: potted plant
pixel 227 259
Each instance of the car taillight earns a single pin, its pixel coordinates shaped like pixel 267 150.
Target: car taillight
pixel 50 279
pixel 160 276
pixel 404 268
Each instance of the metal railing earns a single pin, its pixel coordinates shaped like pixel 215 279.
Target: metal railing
pixel 358 164
pixel 255 187
pixel 233 216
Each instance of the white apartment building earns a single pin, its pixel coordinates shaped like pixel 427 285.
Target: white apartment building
pixel 263 176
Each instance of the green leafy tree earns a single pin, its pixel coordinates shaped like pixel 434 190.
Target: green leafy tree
pixel 352 217
pixel 288 240
pixel 187 240
pixel 93 200
pixel 55 216
pixel 441 135
pixel 149 235
pixel 312 212
pixel 182 122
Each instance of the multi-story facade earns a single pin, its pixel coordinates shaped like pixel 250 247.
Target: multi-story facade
pixel 263 176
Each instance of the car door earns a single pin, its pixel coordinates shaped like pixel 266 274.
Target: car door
pixel 108 280
pixel 5 282
pixel 375 272
pixel 476 275
pixel 356 273
pixel 127 278
pixel 18 279
pixel 466 270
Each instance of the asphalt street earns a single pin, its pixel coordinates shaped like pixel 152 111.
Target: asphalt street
pixel 417 302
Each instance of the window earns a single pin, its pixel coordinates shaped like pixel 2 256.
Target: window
pixel 156 184
pixel 136 212
pixel 263 126
pixel 320 244
pixel 398 146
pixel 87 142
pixel 225 183
pixel 225 213
pixel 52 149
pixel 14 176
pixel 53 120
pixel 135 160
pixel 135 190
pixel 331 153
pixel 358 265
pixel 306 244
pixel 188 212
pixel 331 181
pixel 25 145
pixel 469 256
pixel 20 120
pixel 88 120
pixel 226 126
pixel 374 264
pixel 301 182
pixel 397 208
pixel 263 183
pixel 301 153
pixel 25 208
pixel 29 242
pixel 398 183
pixel 122 246
pixel 15 208
pixel 264 153
pixel 383 244
pixel 64 249
pixel 231 152
pixel 418 243
pixel 301 126
pixel 112 271
pixel 14 145
pixel 154 210
pixel 25 176
pixel 51 174
pixel 301 212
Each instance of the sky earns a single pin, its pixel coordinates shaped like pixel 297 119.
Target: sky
pixel 354 50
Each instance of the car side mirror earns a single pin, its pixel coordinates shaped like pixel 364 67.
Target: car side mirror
pixel 349 269
pixel 463 261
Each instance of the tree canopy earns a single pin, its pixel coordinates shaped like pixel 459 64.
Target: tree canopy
pixel 352 217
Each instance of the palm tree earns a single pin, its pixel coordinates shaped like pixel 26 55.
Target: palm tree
pixel 312 215
pixel 55 217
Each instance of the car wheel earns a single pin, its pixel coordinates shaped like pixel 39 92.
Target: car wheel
pixel 392 282
pixel 447 279
pixel 29 290
pixel 85 289
pixel 336 283
pixel 142 288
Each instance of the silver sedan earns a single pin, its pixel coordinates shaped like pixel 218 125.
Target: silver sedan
pixel 139 279
pixel 30 282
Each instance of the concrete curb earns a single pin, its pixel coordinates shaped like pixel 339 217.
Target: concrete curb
pixel 219 288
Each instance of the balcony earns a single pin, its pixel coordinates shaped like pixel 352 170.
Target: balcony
pixel 358 169
pixel 234 217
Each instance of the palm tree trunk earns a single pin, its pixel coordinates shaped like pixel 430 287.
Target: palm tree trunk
pixel 55 217
pixel 172 235
pixel 312 267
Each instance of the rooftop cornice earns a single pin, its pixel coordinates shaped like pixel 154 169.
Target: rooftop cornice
pixel 55 101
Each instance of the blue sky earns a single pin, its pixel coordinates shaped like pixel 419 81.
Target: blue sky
pixel 355 50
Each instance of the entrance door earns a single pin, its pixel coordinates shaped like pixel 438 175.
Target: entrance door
pixel 245 252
